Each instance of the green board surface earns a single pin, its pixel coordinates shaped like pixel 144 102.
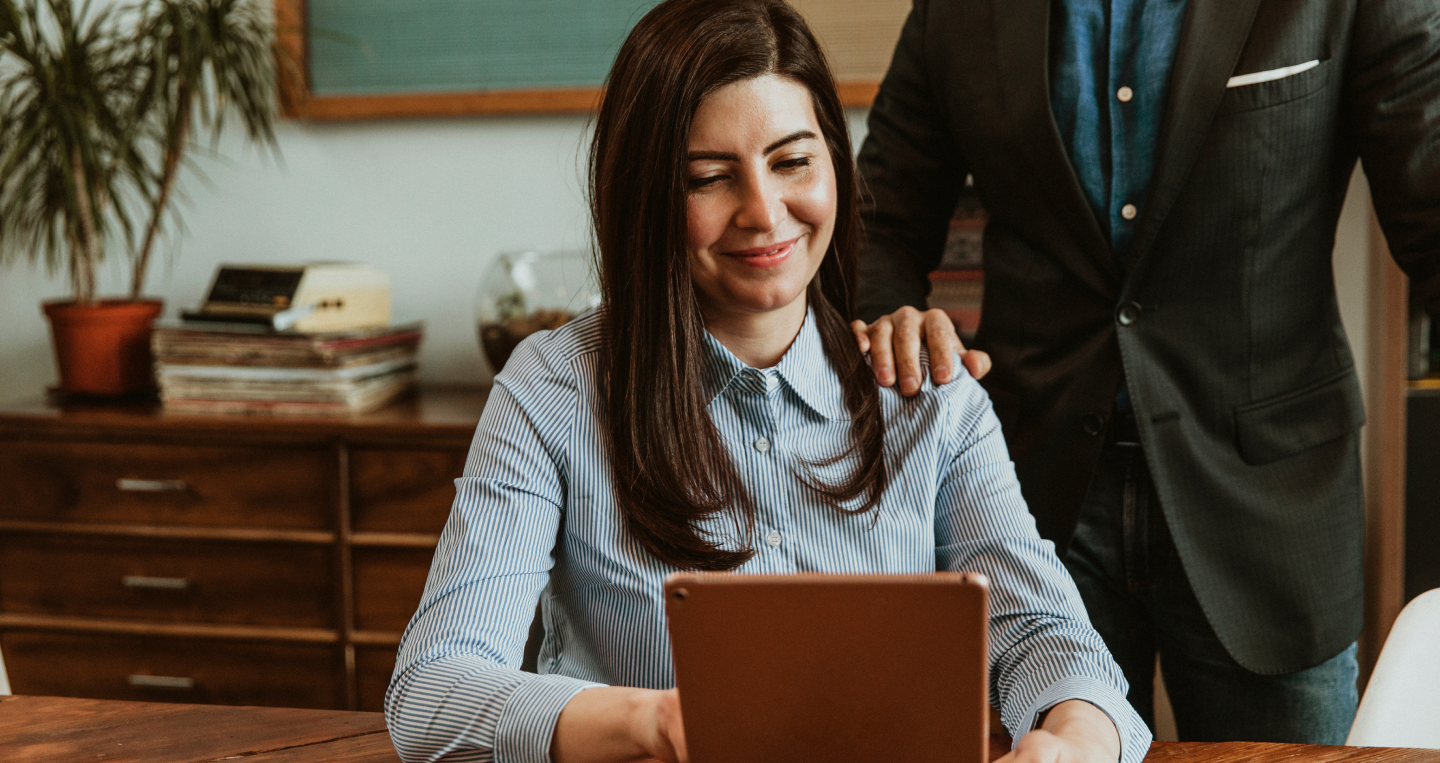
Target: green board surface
pixel 360 47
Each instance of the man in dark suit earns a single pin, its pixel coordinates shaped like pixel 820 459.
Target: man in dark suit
pixel 1163 179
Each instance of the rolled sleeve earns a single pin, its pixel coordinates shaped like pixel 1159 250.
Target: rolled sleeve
pixel 527 721
pixel 1134 735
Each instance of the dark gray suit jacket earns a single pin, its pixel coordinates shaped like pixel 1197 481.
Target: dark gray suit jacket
pixel 1226 324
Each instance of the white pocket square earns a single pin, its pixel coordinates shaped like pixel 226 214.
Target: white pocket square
pixel 1273 74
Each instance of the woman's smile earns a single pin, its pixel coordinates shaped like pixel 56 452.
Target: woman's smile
pixel 767 255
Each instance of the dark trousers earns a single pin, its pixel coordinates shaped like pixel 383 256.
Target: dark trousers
pixel 1139 599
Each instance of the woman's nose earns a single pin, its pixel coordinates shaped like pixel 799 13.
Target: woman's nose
pixel 761 206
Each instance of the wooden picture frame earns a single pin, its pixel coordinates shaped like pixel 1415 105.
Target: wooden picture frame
pixel 859 45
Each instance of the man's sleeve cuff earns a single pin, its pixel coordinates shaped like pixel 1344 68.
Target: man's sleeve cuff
pixel 527 721
pixel 1134 734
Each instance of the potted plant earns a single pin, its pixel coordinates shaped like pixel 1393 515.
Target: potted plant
pixel 97 113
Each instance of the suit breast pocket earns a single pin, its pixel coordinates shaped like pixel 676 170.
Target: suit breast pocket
pixel 1263 95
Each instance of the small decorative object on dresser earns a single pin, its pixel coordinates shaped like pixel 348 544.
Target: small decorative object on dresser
pixel 97 111
pixel 147 555
pixel 525 292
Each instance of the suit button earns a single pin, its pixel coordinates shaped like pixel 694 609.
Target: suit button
pixel 1128 313
pixel 1092 424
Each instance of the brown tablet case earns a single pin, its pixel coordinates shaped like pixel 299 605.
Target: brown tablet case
pixel 833 668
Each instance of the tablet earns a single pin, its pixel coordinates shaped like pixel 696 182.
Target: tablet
pixel 833 668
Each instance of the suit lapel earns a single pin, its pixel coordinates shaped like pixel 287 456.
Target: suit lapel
pixel 1022 34
pixel 1210 45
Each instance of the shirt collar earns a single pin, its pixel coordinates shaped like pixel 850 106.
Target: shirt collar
pixel 804 369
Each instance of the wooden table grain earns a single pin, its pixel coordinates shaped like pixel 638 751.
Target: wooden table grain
pixel 66 730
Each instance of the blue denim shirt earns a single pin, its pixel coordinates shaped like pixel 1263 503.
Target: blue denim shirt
pixel 1110 66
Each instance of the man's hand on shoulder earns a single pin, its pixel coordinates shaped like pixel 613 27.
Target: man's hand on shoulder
pixel 893 342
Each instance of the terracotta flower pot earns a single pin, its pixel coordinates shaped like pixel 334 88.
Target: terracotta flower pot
pixel 104 348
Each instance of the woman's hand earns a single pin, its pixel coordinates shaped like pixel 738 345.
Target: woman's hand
pixel 662 728
pixel 1074 731
pixel 613 724
pixel 894 341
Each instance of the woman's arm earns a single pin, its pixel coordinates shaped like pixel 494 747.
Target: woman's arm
pixel 457 686
pixel 1043 652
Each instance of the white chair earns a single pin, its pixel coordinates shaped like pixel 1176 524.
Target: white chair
pixel 1401 707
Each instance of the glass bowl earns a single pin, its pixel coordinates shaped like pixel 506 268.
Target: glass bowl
pixel 525 292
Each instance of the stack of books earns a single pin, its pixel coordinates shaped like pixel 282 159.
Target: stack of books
pixel 205 367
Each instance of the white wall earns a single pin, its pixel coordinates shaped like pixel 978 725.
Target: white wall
pixel 1353 248
pixel 429 201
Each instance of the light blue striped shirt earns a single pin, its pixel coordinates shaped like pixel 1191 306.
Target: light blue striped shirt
pixel 534 519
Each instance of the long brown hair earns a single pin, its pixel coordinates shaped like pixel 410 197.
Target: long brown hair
pixel 671 470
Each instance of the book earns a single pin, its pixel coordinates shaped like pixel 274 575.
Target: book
pixel 248 344
pixel 170 373
pixel 260 397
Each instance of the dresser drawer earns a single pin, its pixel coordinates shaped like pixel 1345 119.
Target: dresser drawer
pixel 116 483
pixel 410 490
pixel 167 580
pixel 174 670
pixel 388 584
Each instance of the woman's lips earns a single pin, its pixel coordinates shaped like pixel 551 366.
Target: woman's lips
pixel 767 256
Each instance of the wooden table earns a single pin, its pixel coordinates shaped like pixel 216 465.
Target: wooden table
pixel 65 730
pixel 62 730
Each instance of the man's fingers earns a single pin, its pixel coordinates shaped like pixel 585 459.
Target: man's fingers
pixel 882 353
pixel 977 362
pixel 894 346
pixel 944 344
pixel 908 325
pixel 862 335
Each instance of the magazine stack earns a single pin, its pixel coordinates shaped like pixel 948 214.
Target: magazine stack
pixel 205 367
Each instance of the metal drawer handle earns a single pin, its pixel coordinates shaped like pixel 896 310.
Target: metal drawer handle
pixel 151 486
pixel 162 682
pixel 142 581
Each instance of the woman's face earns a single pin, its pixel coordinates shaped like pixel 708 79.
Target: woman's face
pixel 760 198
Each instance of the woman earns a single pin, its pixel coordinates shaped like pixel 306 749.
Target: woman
pixel 716 414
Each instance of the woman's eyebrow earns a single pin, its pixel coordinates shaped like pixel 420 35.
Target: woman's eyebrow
pixel 721 156
pixel 791 138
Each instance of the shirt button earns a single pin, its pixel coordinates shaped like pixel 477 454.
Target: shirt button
pixel 762 445
pixel 1129 211
pixel 1124 94
pixel 1092 424
pixel 1128 313
pixel 773 539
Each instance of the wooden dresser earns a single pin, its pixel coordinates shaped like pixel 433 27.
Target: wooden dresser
pixel 210 559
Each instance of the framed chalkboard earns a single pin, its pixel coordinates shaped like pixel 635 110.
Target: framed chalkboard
pixel 362 59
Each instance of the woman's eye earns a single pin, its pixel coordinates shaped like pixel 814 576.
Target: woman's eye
pixel 701 182
pixel 795 163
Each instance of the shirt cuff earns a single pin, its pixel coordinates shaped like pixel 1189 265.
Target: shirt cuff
pixel 527 721
pixel 1134 734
